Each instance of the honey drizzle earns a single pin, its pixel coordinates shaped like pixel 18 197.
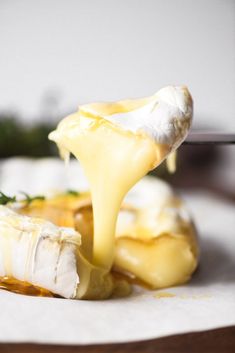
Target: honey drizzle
pixel 22 287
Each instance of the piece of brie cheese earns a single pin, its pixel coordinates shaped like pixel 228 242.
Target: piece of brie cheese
pixel 35 251
pixel 117 144
pixel 165 116
pixel 156 239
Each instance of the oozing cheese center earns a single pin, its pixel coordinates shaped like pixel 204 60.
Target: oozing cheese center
pixel 113 160
pixel 117 144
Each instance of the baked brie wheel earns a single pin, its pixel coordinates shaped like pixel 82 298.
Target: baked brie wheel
pixel 153 241
pixel 156 243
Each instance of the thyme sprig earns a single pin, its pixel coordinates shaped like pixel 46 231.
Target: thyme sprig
pixel 72 192
pixel 29 199
pixel 5 199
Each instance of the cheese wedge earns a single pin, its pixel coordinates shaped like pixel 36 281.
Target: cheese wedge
pixel 35 251
pixel 37 257
pixel 117 144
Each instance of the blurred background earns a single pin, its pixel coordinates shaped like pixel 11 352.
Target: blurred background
pixel 56 55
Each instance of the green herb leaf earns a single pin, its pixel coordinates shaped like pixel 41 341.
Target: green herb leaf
pixel 4 199
pixel 29 199
pixel 72 192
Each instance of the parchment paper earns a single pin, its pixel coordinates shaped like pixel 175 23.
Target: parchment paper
pixel 207 302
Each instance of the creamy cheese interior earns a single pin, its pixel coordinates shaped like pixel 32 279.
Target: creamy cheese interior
pixel 114 156
pixel 113 161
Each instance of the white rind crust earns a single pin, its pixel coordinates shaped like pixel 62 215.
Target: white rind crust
pixel 166 116
pixel 156 240
pixel 38 252
pixel 157 208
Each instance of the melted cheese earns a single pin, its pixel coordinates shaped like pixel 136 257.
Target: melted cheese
pixel 171 162
pixel 113 161
pixel 156 242
pixel 114 158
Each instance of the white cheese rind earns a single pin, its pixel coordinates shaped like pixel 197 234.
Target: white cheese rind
pixel 158 207
pixel 38 252
pixel 166 116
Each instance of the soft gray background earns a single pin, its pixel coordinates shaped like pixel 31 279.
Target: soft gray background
pixel 85 50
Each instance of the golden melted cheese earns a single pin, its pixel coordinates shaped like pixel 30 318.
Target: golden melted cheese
pixel 114 158
pixel 113 161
